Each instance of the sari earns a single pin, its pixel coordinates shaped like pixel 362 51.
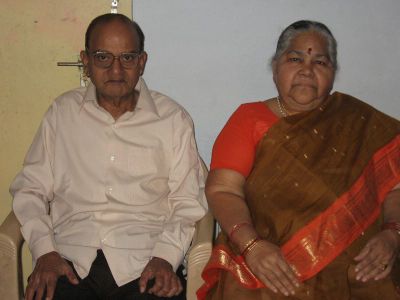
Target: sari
pixel 316 190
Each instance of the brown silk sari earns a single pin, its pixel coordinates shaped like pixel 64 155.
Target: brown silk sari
pixel 316 190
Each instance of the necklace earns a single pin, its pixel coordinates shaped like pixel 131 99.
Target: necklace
pixel 281 107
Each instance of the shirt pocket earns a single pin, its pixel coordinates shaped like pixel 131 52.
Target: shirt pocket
pixel 145 161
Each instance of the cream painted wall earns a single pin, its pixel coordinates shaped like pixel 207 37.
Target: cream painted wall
pixel 34 36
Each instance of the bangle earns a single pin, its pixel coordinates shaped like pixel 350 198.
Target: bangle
pixel 236 227
pixel 250 245
pixel 395 226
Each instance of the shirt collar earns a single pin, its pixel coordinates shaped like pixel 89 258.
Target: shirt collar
pixel 144 102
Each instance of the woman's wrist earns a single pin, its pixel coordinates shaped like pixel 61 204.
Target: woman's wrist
pixel 395 228
pixel 241 234
pixel 237 227
pixel 250 246
pixel 392 225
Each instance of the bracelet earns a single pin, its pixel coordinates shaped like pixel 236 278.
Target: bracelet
pixel 250 245
pixel 236 227
pixel 395 226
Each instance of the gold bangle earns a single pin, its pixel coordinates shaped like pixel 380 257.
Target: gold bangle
pixel 249 246
pixel 394 226
pixel 391 225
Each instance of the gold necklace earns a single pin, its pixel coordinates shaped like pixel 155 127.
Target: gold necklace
pixel 281 107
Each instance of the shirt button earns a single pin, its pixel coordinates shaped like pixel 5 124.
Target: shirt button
pixel 103 240
pixel 109 189
pixel 112 157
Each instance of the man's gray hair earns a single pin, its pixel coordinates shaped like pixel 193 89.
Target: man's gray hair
pixel 302 26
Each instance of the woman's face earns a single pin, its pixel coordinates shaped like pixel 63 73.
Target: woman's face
pixel 304 74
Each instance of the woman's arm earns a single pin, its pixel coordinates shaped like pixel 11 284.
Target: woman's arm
pixel 376 259
pixel 391 206
pixel 225 195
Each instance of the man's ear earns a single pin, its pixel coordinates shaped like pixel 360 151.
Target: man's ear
pixel 84 58
pixel 142 62
pixel 85 62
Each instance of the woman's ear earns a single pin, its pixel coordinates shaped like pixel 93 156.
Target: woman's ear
pixel 273 65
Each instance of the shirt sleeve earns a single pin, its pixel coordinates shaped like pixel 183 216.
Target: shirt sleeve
pixel 186 199
pixel 32 190
pixel 235 146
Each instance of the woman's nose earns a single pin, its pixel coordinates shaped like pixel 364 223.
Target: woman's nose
pixel 307 69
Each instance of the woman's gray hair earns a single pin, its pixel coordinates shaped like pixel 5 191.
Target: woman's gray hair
pixel 298 27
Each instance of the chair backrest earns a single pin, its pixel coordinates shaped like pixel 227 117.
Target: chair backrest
pixel 200 251
pixel 11 285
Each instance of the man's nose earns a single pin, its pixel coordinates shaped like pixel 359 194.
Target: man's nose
pixel 116 65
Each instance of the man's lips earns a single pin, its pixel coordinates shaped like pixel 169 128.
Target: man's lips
pixel 115 81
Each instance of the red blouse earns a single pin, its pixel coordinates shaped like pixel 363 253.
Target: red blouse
pixel 236 144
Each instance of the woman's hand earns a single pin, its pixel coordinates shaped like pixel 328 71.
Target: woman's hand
pixel 376 259
pixel 266 261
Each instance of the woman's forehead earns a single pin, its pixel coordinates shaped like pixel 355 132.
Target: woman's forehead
pixel 309 42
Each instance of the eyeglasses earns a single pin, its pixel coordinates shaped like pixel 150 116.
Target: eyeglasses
pixel 104 59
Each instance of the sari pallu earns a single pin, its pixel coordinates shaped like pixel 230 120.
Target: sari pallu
pixel 316 190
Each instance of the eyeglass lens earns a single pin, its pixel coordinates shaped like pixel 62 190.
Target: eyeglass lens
pixel 106 59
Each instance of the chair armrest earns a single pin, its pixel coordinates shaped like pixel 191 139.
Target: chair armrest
pixel 199 254
pixel 11 240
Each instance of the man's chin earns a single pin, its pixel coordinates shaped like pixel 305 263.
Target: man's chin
pixel 115 94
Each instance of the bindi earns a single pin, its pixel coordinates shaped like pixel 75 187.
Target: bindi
pixel 309 51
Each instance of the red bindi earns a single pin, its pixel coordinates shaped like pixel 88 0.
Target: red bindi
pixel 309 50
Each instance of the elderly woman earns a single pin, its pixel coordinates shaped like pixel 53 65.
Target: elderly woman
pixel 305 187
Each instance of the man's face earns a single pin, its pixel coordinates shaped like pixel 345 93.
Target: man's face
pixel 116 81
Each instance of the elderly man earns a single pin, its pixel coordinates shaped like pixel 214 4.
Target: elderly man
pixel 112 184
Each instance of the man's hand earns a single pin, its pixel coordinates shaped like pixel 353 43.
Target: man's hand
pixel 48 269
pixel 167 283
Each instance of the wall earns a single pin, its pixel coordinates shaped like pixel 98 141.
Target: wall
pixel 213 55
pixel 35 35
